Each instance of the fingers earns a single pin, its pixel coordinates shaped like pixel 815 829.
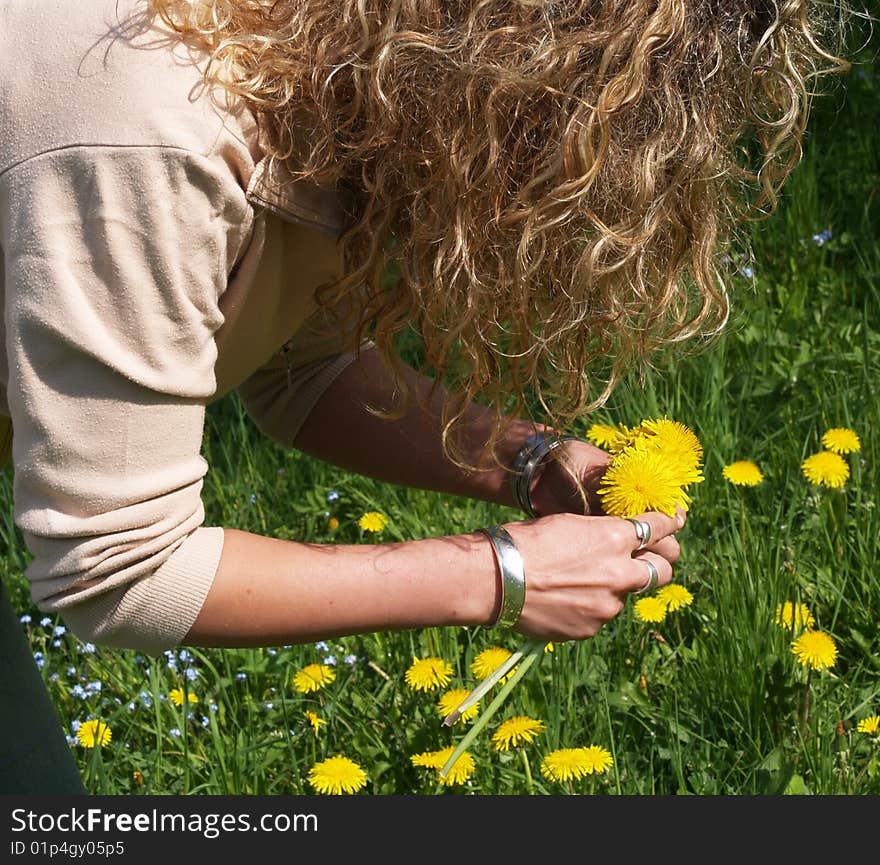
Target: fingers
pixel 650 527
pixel 667 547
pixel 649 571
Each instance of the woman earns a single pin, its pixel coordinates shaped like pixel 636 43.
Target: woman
pixel 201 197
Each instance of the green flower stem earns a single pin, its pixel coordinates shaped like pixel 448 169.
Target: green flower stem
pixel 528 768
pixel 533 650
pixel 489 682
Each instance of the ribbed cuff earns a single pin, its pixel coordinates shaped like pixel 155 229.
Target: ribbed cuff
pixel 156 612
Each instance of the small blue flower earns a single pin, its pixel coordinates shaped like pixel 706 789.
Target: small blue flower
pixel 270 706
pixel 253 498
pixel 204 722
pixel 80 692
pixel 45 621
pixel 175 732
pixel 321 646
pixel 88 648
pixel 146 699
pixel 184 655
pixel 330 660
pixel 75 725
pixel 213 707
pixel 241 676
pixel 40 658
pixel 71 671
pixel 53 677
pixel 747 272
pixel 332 496
pixel 272 652
pixel 60 630
pixel 350 659
pixel 56 644
pixel 94 686
pixel 25 619
pixel 191 673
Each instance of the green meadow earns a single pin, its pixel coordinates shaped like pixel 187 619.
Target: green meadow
pixel 709 699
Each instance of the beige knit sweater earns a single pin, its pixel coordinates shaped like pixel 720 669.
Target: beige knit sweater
pixel 152 261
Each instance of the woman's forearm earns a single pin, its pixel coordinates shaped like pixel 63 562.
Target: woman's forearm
pixel 341 430
pixel 409 451
pixel 275 592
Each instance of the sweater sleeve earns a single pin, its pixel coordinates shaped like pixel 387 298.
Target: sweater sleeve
pixel 115 260
pixel 280 395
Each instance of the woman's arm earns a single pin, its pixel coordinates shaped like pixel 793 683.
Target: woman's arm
pixel 409 452
pixel 579 572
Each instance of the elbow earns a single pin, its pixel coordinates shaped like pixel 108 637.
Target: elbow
pixel 151 612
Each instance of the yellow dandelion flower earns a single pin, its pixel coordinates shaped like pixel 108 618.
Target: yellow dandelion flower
pixel 571 764
pixel 869 725
pixel 314 721
pixel 426 674
pixel 598 760
pixel 176 696
pixel 138 778
pixel 313 677
pixel 641 479
pixel 794 616
pixel 605 436
pixel 826 467
pixel 431 759
pixel 674 596
pixel 650 609
pixel 629 436
pixel 94 733
pixel 677 442
pixel 815 649
pixel 489 660
pixel 550 647
pixel 373 521
pixel 451 700
pixel 743 473
pixel 841 440
pixel 515 731
pixel 332 524
pixel 459 772
pixel 337 775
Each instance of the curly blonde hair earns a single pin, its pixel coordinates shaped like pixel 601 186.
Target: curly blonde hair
pixel 554 184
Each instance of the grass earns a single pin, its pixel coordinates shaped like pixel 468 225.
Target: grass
pixel 709 701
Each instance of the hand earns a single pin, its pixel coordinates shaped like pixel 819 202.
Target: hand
pixel 580 570
pixel 554 490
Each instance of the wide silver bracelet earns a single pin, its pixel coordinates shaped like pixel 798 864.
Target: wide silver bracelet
pixel 513 576
pixel 531 455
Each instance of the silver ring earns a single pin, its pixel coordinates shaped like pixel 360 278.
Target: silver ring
pixel 643 532
pixel 653 578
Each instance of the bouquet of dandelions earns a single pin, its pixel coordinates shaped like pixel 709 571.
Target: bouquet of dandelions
pixel 652 466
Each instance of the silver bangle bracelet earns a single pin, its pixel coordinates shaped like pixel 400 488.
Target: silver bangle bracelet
pixel 531 455
pixel 513 576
